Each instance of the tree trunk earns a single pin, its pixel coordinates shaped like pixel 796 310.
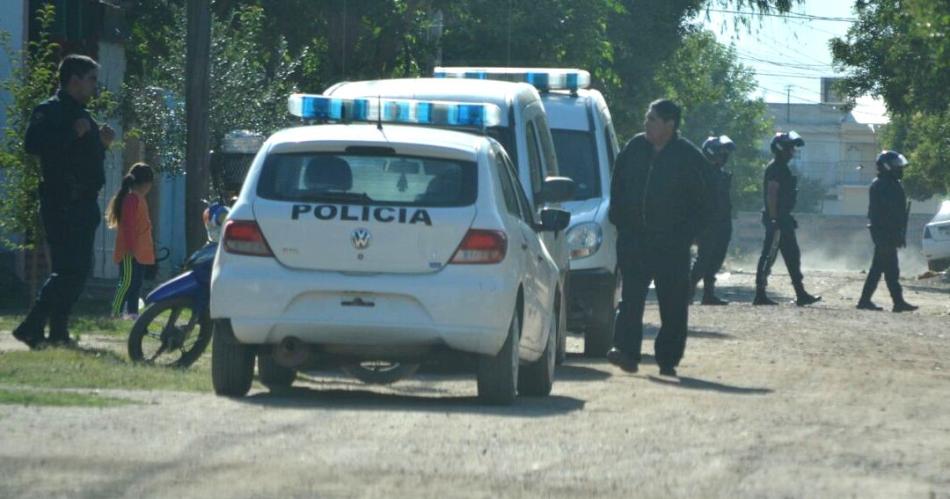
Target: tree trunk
pixel 197 96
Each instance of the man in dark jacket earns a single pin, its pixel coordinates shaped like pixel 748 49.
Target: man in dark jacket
pixel 714 241
pixel 658 203
pixel 780 193
pixel 71 148
pixel 887 212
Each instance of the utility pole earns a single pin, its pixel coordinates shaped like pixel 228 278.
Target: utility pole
pixel 197 97
pixel 788 103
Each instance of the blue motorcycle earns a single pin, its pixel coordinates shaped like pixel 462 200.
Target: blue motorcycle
pixel 174 329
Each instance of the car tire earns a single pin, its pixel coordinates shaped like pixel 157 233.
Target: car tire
pixel 599 336
pixel 232 364
pixel 498 374
pixel 537 378
pixel 272 374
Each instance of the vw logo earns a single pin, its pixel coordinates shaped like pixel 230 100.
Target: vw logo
pixel 361 238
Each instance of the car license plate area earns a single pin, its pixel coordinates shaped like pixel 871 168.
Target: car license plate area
pixel 343 307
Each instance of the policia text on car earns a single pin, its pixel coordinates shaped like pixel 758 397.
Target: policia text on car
pixel 71 148
pixel 658 203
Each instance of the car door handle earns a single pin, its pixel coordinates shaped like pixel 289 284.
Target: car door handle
pixel 524 246
pixel 540 258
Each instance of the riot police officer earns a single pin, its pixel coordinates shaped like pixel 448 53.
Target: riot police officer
pixel 887 212
pixel 657 202
pixel 714 241
pixel 71 148
pixel 780 191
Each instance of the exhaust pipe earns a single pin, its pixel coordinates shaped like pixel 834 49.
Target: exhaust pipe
pixel 291 352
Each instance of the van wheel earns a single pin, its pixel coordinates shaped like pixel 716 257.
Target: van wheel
pixel 232 364
pixel 599 336
pixel 537 378
pixel 498 374
pixel 272 374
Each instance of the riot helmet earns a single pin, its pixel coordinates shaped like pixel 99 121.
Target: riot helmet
pixel 718 149
pixel 786 142
pixel 891 163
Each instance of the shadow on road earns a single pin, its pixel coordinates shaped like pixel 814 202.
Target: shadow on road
pixel 650 331
pixel 699 384
pixel 363 399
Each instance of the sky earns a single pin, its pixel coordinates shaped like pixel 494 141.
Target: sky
pixel 791 51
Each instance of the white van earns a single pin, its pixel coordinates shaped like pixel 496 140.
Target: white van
pixel 523 132
pixel 586 145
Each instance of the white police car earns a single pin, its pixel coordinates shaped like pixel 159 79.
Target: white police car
pixel 522 129
pixel 586 145
pixel 377 246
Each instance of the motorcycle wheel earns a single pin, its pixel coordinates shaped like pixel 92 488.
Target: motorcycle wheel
pixel 169 333
pixel 380 372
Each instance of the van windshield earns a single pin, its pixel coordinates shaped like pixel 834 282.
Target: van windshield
pixel 368 179
pixel 577 159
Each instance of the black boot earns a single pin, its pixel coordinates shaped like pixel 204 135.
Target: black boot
pixel 710 298
pixel 802 297
pixel 59 331
pixel 761 298
pixel 903 306
pixel 867 304
pixel 30 331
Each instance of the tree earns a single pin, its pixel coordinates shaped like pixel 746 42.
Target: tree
pixel 900 51
pixel 249 84
pixel 34 77
pixel 713 88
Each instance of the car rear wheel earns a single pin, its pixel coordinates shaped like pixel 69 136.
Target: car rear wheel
pixel 272 374
pixel 232 364
pixel 938 265
pixel 537 378
pixel 498 374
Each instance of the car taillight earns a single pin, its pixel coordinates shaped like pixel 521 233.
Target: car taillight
pixel 481 246
pixel 244 237
pixel 927 233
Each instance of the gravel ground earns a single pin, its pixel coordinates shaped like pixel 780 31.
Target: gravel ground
pixel 775 402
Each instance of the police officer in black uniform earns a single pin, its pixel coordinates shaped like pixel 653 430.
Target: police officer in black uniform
pixel 714 241
pixel 780 192
pixel 71 148
pixel 657 202
pixel 888 213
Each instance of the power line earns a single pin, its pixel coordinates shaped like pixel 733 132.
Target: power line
pixel 790 15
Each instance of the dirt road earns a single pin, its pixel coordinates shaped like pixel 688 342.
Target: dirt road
pixel 784 402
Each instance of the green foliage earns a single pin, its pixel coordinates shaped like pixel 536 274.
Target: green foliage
pixel 250 81
pixel 706 79
pixel 34 78
pixel 900 51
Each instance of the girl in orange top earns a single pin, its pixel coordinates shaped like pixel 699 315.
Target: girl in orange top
pixel 128 212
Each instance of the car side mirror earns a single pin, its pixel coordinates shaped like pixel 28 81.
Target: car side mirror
pixel 556 190
pixel 554 220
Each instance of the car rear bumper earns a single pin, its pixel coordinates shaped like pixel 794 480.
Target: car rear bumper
pixel 460 307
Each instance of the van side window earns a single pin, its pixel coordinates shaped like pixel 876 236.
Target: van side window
pixel 507 190
pixel 611 146
pixel 527 212
pixel 534 159
pixel 547 147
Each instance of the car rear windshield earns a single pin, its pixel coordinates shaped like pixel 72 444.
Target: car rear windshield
pixel 577 159
pixel 368 179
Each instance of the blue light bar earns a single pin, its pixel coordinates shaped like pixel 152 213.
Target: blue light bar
pixel 407 111
pixel 542 78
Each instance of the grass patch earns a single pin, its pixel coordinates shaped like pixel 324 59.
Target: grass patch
pixel 79 324
pixel 89 368
pixel 59 399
